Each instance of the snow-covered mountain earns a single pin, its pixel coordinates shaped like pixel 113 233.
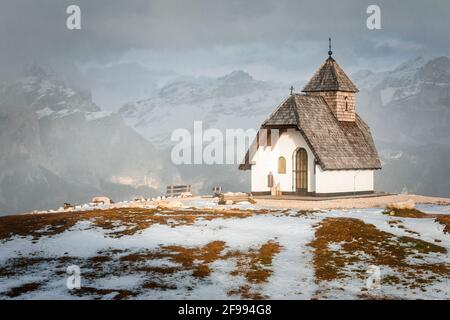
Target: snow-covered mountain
pixel 58 146
pixel 408 109
pixel 114 85
pixel 235 100
pixel 410 104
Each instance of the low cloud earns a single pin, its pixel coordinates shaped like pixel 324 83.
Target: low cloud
pixel 227 34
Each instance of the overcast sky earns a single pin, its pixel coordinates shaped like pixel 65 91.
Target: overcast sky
pixel 272 39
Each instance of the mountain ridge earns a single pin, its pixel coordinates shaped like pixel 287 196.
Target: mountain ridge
pixel 58 146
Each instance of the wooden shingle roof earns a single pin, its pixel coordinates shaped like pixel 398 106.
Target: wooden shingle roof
pixel 336 145
pixel 330 77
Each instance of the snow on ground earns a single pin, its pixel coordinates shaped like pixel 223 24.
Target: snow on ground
pixel 285 274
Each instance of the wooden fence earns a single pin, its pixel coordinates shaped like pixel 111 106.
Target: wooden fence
pixel 174 191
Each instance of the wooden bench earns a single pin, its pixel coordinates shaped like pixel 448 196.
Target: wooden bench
pixel 175 191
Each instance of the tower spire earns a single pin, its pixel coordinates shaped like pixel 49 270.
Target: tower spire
pixel 329 48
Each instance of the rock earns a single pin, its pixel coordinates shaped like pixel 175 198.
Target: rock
pixel 185 195
pixel 67 206
pixel 235 194
pixel 235 197
pixel 409 204
pixel 170 205
pixel 101 200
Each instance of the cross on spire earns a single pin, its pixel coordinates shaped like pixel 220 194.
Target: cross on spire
pixel 329 48
pixel 292 90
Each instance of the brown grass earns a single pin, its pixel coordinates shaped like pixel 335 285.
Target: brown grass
pixel 405 213
pixel 16 266
pixel 134 219
pixel 189 258
pixel 414 213
pixel 99 259
pixel 399 224
pixel 160 270
pixel 201 255
pixel 306 213
pixel 246 292
pixel 197 260
pixel 29 224
pixel 25 288
pixel 367 296
pixel 142 256
pixel 445 221
pixel 158 285
pixel 255 266
pixel 381 248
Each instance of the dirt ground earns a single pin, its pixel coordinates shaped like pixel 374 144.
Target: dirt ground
pixel 350 203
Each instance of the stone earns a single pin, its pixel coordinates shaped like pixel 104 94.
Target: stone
pixel 185 195
pixel 409 204
pixel 170 205
pixel 101 200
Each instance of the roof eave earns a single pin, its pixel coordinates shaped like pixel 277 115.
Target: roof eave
pixel 279 126
pixel 350 169
pixel 328 90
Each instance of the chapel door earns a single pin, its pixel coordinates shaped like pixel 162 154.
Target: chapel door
pixel 301 172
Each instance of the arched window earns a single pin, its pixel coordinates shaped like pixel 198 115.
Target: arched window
pixel 281 165
pixel 346 103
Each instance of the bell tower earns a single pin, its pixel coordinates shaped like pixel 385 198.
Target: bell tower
pixel 331 82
